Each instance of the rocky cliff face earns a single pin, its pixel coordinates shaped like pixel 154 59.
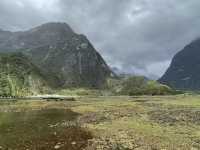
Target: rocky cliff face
pixel 66 58
pixel 20 77
pixel 183 72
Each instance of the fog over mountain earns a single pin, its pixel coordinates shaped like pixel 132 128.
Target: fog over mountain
pixel 136 36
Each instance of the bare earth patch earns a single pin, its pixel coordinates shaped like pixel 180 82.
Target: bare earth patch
pixel 172 117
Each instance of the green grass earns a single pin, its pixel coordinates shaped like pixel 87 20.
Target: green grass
pixel 188 101
pixel 129 122
pixel 144 123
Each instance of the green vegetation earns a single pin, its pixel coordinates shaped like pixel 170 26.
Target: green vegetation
pixel 132 86
pixel 80 92
pixel 19 77
pixel 138 85
pixel 102 123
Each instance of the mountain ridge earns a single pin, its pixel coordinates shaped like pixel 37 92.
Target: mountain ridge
pixel 183 70
pixel 68 58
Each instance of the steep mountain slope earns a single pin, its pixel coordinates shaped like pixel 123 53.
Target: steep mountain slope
pixel 66 58
pixel 4 36
pixel 19 77
pixel 183 72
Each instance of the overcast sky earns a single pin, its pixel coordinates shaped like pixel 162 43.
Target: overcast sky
pixel 139 36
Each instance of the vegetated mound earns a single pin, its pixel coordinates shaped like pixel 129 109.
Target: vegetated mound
pixel 183 72
pixel 138 85
pixel 20 77
pixel 66 58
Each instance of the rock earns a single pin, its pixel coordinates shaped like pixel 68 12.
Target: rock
pixel 66 58
pixel 184 70
pixel 57 146
pixel 73 143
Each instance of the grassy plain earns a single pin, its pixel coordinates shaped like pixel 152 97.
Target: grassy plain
pixel 102 123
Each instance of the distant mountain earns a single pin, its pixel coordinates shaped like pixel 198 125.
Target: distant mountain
pixel 116 70
pixel 184 70
pixel 20 77
pixel 121 74
pixel 67 59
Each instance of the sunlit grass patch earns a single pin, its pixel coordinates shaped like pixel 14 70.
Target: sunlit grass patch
pixel 188 101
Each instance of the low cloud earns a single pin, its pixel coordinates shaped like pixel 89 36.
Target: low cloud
pixel 138 36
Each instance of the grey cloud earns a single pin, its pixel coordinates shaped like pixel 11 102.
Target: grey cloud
pixel 135 35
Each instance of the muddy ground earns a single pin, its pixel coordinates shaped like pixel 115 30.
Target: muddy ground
pixel 102 123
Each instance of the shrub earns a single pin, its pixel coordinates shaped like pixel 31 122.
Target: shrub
pixel 139 85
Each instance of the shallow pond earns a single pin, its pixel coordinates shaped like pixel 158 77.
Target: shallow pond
pixel 41 130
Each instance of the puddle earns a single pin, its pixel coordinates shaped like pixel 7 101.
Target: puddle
pixel 41 130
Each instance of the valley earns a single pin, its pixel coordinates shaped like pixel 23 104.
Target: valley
pixel 102 123
pixel 99 75
pixel 58 93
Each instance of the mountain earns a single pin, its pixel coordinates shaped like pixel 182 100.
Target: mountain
pixel 66 58
pixel 20 77
pixel 184 70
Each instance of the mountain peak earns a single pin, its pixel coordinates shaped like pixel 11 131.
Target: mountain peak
pixel 54 26
pixel 66 58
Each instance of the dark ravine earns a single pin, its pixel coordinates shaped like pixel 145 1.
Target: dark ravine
pixel 67 59
pixel 184 70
